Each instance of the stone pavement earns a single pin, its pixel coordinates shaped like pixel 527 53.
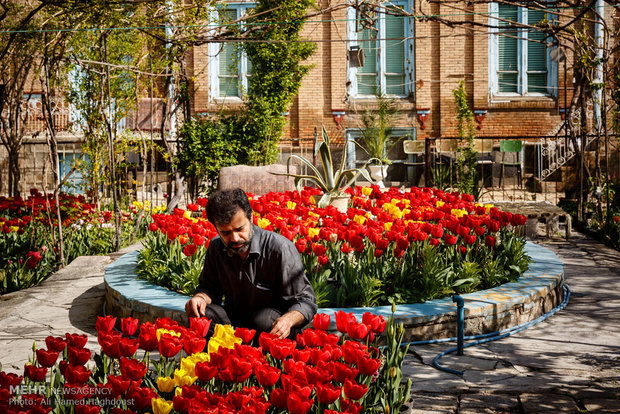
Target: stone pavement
pixel 569 363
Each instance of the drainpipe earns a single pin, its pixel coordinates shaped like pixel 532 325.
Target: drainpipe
pixel 598 76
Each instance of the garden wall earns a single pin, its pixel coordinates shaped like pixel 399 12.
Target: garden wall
pixel 535 293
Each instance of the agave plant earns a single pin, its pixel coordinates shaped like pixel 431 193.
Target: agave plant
pixel 332 181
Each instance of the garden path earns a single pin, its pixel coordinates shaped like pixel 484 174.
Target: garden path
pixel 568 363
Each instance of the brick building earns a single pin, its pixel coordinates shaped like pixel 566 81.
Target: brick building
pixel 515 85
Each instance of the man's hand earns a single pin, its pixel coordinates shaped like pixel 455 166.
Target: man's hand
pixel 282 326
pixel 195 307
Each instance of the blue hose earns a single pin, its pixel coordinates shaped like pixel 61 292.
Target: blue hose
pixel 492 336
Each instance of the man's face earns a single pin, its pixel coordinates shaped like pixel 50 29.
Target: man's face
pixel 237 234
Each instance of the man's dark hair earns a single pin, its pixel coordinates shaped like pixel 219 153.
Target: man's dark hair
pixel 224 204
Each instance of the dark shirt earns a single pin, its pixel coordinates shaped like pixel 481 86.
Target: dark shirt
pixel 271 275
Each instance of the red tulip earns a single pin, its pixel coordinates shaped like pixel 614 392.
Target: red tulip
pixel 321 321
pixel 342 320
pixel 200 326
pixel 353 390
pixel 118 385
pixel 78 356
pixel 205 371
pixel 327 393
pixel 127 346
pixel 129 326
pixel 36 374
pixel 189 249
pixel 245 334
pixel 146 341
pixel 110 345
pixel 281 349
pixel 46 358
pixel 139 398
pixel 76 340
pixel 449 239
pixel 193 345
pixel 169 346
pixel 55 343
pixel 316 375
pixel 267 375
pixel 153 227
pixel 9 380
pixel 87 409
pixel 490 241
pixel 278 398
pixel 105 323
pixel 296 404
pixel 357 331
pixel 77 374
pixel 376 323
pixel 470 239
pixel 302 355
pixel 342 371
pixel 368 366
pixel 132 369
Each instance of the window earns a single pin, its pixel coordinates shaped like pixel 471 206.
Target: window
pixel 229 68
pixel 519 58
pixel 388 51
pixel 74 182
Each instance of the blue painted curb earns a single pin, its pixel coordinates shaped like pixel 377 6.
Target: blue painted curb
pixel 545 274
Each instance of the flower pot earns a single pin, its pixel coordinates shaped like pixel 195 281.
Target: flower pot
pixel 378 173
pixel 341 202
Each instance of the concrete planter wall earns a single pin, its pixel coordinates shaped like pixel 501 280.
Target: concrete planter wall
pixel 535 293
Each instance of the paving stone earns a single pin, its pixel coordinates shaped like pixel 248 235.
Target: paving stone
pixel 534 403
pixel 496 402
pixel 602 405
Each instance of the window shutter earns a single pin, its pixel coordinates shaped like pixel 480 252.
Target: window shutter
pixel 394 55
pixel 536 55
pixel 508 50
pixel 229 60
pixel 367 74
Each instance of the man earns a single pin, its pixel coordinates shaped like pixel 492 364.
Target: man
pixel 258 273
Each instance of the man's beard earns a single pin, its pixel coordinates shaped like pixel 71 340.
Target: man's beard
pixel 242 247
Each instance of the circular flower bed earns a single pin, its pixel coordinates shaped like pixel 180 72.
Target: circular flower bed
pixel 165 366
pixel 389 247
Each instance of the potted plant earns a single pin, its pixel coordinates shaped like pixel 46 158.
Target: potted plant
pixel 331 181
pixel 377 137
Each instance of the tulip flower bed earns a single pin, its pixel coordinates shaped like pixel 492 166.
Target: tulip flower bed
pixel 389 247
pixel 29 239
pixel 168 367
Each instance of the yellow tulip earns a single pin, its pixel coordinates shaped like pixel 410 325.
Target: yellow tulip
pixel 263 222
pixel 366 191
pixel 359 219
pixel 458 212
pixel 312 213
pixel 439 203
pixel 161 406
pixel 182 377
pixel 488 207
pixel 162 331
pixel 291 205
pixel 165 384
pixel 187 214
pixel 388 225
pixel 313 232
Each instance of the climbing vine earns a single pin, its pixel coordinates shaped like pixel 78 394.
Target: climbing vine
pixel 467 176
pixel 276 76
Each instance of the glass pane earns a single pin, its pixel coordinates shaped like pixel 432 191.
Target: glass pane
pixel 395 84
pixel 507 82
pixel 508 49
pixel 537 82
pixel 366 84
pixel 394 49
pixel 228 86
pixel 367 42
